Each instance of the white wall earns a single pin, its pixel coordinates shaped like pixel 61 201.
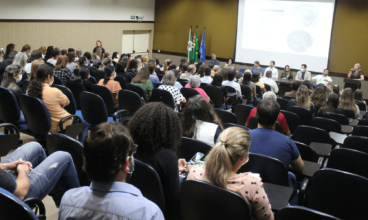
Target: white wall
pixel 77 9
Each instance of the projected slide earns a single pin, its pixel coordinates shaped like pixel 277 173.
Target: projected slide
pixel 288 32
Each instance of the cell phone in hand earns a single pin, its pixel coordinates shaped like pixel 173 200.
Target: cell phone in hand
pixel 195 158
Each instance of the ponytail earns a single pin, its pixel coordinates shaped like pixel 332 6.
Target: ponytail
pixel 106 62
pixel 81 62
pixel 231 146
pixel 108 71
pixel 35 87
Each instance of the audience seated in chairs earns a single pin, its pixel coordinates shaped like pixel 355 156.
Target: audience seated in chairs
pixel 302 100
pixel 13 75
pixel 221 165
pixel 280 119
pixel 106 62
pixel 191 70
pixel 347 102
pixel 21 60
pixel 358 96
pixel 109 163
pixel 270 81
pixel 295 85
pixel 332 104
pixel 247 81
pixel 35 65
pixel 153 78
pixel 255 80
pixel 53 98
pixel 155 128
pixel 120 71
pixel 319 97
pixel 83 80
pixel 61 70
pixel 71 64
pixel 199 121
pixel 207 75
pixel 54 57
pixel 217 81
pixel 27 172
pixel 267 141
pixel 132 68
pixel 111 84
pixel 142 80
pixel 194 83
pixel 230 73
pixel 168 83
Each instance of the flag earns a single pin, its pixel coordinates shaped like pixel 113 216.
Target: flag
pixel 195 47
pixel 202 49
pixel 190 45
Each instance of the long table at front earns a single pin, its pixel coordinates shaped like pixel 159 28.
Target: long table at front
pixel 284 86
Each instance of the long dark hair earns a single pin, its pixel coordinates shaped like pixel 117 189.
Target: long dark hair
pixel 332 104
pixel 81 61
pixel 87 55
pixel 84 72
pixel 246 78
pixel 197 108
pixel 255 77
pixel 120 67
pixel 155 126
pixel 35 87
pixel 217 79
pixel 49 51
pixel 9 49
pixel 133 64
pixel 108 72
pixel 114 55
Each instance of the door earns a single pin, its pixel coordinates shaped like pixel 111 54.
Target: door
pixel 137 41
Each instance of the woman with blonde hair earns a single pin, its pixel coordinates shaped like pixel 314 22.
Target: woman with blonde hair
pixel 166 65
pixel 356 73
pixel 347 102
pixel 99 50
pixel 35 65
pixel 106 62
pixel 358 96
pixel 230 153
pixel 319 96
pixel 215 70
pixel 139 61
pixel 302 99
pixel 43 51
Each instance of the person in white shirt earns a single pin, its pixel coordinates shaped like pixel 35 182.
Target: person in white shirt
pixel 207 76
pixel 35 55
pixel 269 81
pixel 303 74
pixel 324 79
pixel 275 72
pixel 53 59
pixel 230 82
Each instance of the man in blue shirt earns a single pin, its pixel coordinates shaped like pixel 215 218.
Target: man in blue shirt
pixel 108 162
pixel 213 60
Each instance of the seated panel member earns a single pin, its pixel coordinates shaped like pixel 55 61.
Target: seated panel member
pixel 303 74
pixel 275 72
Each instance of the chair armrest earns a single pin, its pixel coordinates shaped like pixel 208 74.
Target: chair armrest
pixel 302 191
pixel 61 123
pixel 35 202
pixel 9 126
pixel 118 112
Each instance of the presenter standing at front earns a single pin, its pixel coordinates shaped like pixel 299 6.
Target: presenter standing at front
pixel 356 73
pixel 99 50
pixel 303 74
pixel 275 72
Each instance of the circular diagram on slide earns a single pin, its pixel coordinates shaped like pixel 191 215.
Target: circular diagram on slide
pixel 306 15
pixel 299 41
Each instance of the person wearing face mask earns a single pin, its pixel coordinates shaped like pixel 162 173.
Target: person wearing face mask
pixel 12 76
pixel 53 98
pixel 109 163
pixel 109 82
pixel 303 74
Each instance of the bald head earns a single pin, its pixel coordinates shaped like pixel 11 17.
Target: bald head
pixel 191 69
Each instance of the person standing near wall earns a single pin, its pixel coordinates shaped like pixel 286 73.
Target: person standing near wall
pixel 99 50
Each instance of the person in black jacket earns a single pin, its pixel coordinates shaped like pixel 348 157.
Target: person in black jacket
pixel 132 68
pixel 120 71
pixel 48 55
pixel 84 74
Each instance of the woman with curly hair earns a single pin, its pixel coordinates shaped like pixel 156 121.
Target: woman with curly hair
pixel 319 96
pixel 155 128
pixel 347 102
pixel 199 121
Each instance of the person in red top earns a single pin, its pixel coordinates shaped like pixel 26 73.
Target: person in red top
pixel 281 119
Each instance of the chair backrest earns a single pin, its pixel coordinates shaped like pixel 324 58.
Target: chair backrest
pixel 24 84
pixel 130 101
pixel 288 97
pixel 242 112
pixel 76 89
pixel 36 114
pixel 230 89
pixel 326 124
pixel 356 143
pixel 349 160
pixel 72 107
pixel 188 93
pixel 348 113
pixel 189 147
pixel 340 118
pixel 203 85
pixel 121 80
pixel 93 108
pixel 136 89
pixel 202 200
pixel 164 96
pixel 158 85
pixel 307 134
pixel 333 192
pixel 92 80
pixel 9 106
pixel 270 169
pixel 10 140
pixel 302 213
pixel 226 117
pixel 98 74
pixel 283 103
pixel 61 142
pixel 14 208
pixel 57 81
pixel 360 130
pixel 246 92
pixel 268 87
pixel 229 125
pixel 147 180
pixel 292 120
pixel 183 82
pixel 215 95
pixel 106 95
pixel 306 152
pixel 305 116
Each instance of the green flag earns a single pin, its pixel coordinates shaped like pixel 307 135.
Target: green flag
pixel 195 46
pixel 190 45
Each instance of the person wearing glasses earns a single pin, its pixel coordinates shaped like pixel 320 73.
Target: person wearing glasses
pixel 109 163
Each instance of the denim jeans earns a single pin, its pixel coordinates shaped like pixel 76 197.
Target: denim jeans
pixel 53 175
